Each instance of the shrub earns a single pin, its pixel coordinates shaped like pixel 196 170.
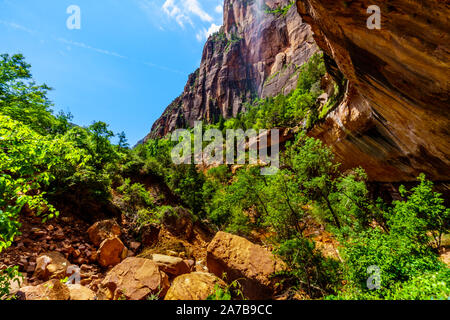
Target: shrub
pixel 8 276
pixel 422 215
pixel 135 196
pixel 307 269
pixel 403 251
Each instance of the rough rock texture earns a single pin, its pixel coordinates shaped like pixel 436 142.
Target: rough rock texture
pixel 102 230
pixel 80 293
pixel 111 252
pixel 51 265
pixel 241 260
pixel 174 266
pixel 50 290
pixel 193 286
pixel 395 121
pixel 254 54
pixel 133 279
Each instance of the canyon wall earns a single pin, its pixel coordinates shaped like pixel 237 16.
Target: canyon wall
pixel 395 119
pixel 256 53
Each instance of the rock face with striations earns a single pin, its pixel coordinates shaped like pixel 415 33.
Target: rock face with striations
pixel 395 118
pixel 255 54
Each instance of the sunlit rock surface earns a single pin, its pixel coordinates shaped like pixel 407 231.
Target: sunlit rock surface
pixel 255 54
pixel 395 121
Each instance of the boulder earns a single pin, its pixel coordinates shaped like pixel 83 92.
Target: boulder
pixel 51 265
pixel 248 263
pixel 78 292
pixel 178 221
pixel 111 252
pixel 103 230
pixel 194 286
pixel 171 265
pixel 51 290
pixel 133 279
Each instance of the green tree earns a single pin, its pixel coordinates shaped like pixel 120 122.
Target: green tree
pixel 103 152
pixel 123 141
pixel 22 99
pixel 315 170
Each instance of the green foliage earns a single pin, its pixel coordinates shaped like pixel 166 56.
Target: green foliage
pixel 403 249
pixel 400 239
pixel 429 286
pixel 307 268
pixel 219 294
pixel 153 160
pixel 135 196
pixel 45 160
pixel 27 160
pixel 229 205
pixel 289 110
pixel 230 292
pixel 7 277
pixel 123 142
pixel 29 163
pixel 284 206
pixel 315 170
pixel 23 100
pixel 422 215
pixel 186 182
pixel 100 145
pixel 281 10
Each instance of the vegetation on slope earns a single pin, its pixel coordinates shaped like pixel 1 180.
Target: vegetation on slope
pixel 280 10
pixel 46 161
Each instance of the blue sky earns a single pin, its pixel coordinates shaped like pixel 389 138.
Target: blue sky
pixel 128 61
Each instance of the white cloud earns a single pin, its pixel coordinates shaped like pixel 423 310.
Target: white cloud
pixel 201 16
pixel 149 64
pixel 183 11
pixel 17 26
pixel 181 19
pixel 200 35
pixel 204 34
pixel 213 29
pixel 174 11
pixel 170 8
pixel 85 46
pixel 194 7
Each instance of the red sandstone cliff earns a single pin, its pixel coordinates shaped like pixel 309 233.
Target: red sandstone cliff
pixel 255 54
pixel 395 120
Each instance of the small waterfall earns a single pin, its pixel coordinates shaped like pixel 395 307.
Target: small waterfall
pixel 259 12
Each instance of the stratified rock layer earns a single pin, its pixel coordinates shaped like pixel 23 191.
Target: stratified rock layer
pixel 256 53
pixel 395 120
